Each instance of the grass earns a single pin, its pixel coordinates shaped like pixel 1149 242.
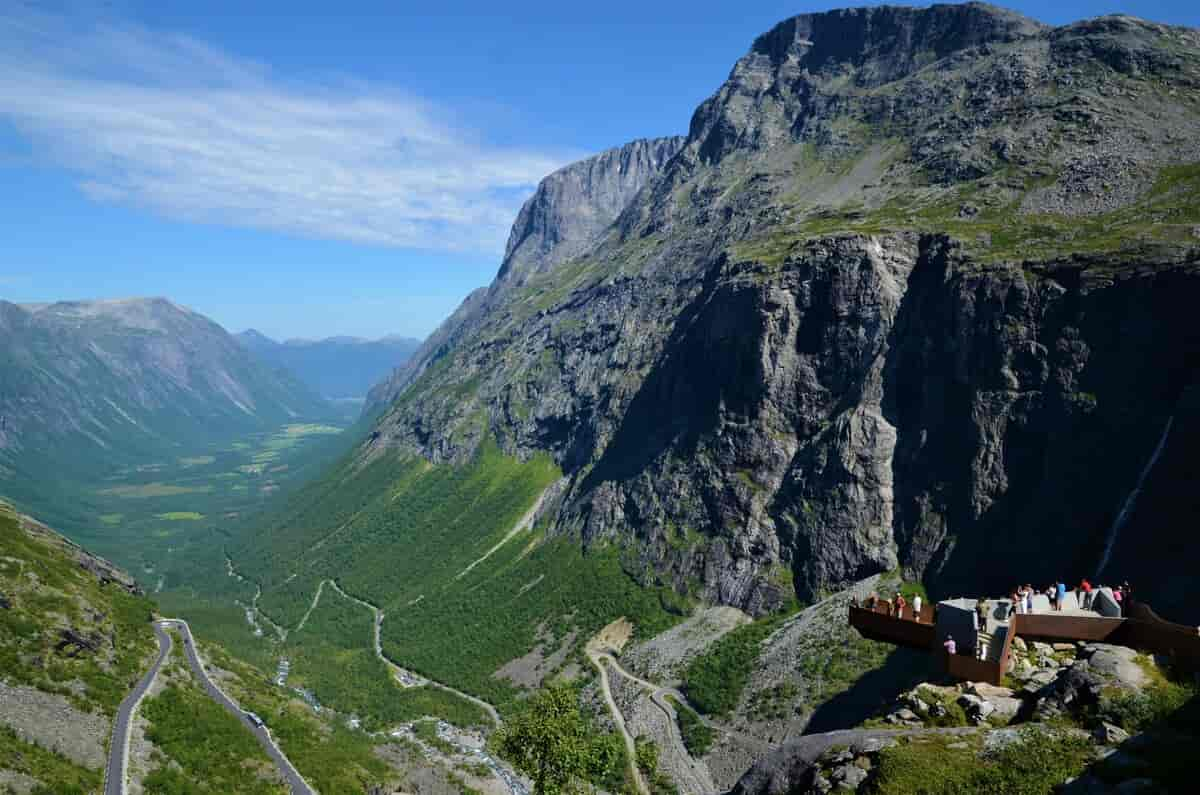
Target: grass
pixel 714 681
pixel 207 749
pixel 331 757
pixel 1158 703
pixel 65 595
pixel 152 490
pixel 333 656
pixel 1164 215
pixel 309 429
pixel 57 775
pixel 1035 765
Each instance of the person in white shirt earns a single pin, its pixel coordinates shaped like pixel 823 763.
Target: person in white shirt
pixel 916 608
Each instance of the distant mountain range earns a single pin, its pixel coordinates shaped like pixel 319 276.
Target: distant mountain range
pixel 336 367
pixel 90 386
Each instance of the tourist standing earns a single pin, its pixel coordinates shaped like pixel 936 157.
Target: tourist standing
pixel 950 646
pixel 1085 590
pixel 1029 599
pixel 901 603
pixel 917 608
pixel 1060 594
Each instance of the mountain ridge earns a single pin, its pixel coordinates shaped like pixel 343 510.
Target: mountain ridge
pixel 959 149
pixel 335 367
pixel 87 388
pixel 571 209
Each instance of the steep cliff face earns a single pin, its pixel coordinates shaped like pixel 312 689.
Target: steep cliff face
pixel 570 211
pixel 910 294
pixel 573 207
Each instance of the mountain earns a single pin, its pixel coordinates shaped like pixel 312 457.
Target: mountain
pixel 907 308
pixel 569 212
pixel 913 293
pixel 337 367
pixel 65 617
pixel 75 636
pixel 87 387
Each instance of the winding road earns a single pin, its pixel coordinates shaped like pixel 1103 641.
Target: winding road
pixel 292 776
pixel 658 694
pixel 117 770
pixel 402 673
pixel 598 659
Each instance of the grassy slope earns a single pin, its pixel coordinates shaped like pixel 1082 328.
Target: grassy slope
pixel 334 759
pixel 398 532
pixel 1165 215
pixel 202 748
pixel 49 591
pixel 332 657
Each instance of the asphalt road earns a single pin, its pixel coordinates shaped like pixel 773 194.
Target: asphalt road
pixel 294 780
pixel 118 752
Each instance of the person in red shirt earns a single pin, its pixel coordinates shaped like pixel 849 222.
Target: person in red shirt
pixel 900 605
pixel 1085 591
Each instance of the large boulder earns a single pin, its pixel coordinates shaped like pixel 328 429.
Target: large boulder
pixel 977 709
pixel 1117 663
pixel 1074 689
pixel 1005 703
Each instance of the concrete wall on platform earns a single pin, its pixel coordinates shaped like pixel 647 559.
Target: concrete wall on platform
pixel 956 618
pixel 1105 604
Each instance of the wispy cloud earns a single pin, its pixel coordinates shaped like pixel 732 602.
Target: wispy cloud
pixel 172 124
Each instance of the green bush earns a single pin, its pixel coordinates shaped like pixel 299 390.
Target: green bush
pixel 213 748
pixel 1034 765
pixel 697 736
pixel 714 681
pixel 1138 710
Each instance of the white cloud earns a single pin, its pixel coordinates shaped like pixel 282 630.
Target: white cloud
pixel 171 124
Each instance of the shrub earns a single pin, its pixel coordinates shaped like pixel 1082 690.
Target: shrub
pixel 697 737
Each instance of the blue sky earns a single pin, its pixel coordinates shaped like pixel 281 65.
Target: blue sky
pixel 312 169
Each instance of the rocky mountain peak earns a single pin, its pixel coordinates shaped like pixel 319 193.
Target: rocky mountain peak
pixel 892 39
pixel 575 205
pixel 868 301
pixel 569 213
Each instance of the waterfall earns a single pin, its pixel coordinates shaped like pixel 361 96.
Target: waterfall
pixel 1131 500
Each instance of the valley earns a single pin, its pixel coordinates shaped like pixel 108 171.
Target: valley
pixel 906 314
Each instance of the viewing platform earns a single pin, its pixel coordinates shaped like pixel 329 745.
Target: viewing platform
pixel 984 650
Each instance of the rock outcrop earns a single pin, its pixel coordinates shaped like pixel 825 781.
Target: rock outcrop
pixel 844 326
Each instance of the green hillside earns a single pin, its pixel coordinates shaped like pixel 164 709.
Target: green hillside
pixel 73 638
pixel 100 396
pixel 65 630
pixel 403 534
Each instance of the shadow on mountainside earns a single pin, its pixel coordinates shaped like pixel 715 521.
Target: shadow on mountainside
pixel 903 670
pixel 1161 758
